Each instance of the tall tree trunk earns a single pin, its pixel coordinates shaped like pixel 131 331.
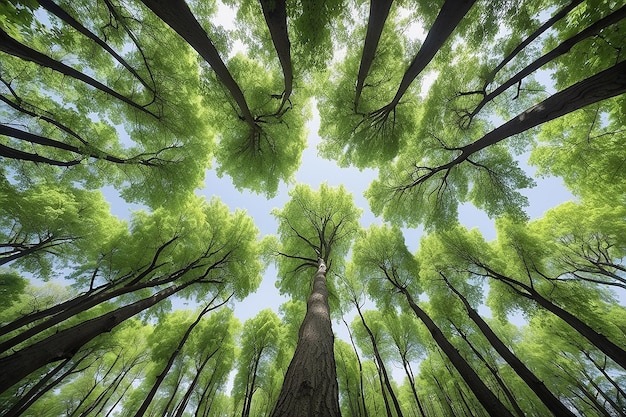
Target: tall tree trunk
pixel 379 11
pixel 381 366
pixel 547 25
pixel 179 17
pixel 275 13
pixel 192 386
pixel 485 396
pixel 161 377
pixel 361 384
pixel 66 343
pixel 13 47
pixel 310 386
pixel 409 374
pixel 56 10
pixel 561 49
pixel 451 13
pixel 601 86
pixel 535 384
pixel 600 341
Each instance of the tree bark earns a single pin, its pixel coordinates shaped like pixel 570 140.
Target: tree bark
pixel 381 366
pixel 535 384
pixel 451 13
pixel 66 343
pixel 170 361
pixel 310 386
pixel 561 49
pixel 600 341
pixel 55 9
pixel 179 17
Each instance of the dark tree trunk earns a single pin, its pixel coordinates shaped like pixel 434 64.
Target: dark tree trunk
pixel 604 85
pixel 381 366
pixel 547 25
pixel 55 9
pixel 451 13
pixel 562 49
pixel 275 13
pixel 179 17
pixel 310 386
pixel 600 341
pixel 185 400
pixel 17 49
pixel 535 384
pixel 379 11
pixel 485 396
pixel 66 343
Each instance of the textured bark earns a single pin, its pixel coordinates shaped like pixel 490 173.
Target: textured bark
pixel 535 384
pixel 310 386
pixel 379 11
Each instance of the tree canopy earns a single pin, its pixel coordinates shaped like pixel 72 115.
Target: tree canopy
pixel 126 269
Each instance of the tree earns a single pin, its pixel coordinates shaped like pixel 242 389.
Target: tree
pixel 313 225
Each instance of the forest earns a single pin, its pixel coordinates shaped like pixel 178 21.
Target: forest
pixel 167 107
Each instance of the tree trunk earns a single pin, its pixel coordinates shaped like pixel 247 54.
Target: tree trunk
pixel 600 341
pixel 561 49
pixel 17 49
pixel 310 386
pixel 535 384
pixel 275 13
pixel 179 17
pixel 601 86
pixel 485 396
pixel 55 9
pixel 448 19
pixel 381 366
pixel 66 343
pixel 379 11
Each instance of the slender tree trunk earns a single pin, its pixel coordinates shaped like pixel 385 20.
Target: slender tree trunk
pixel 547 25
pixel 185 400
pixel 310 386
pixel 600 341
pixel 275 13
pixel 494 372
pixel 601 86
pixel 382 369
pixel 13 47
pixel 451 13
pixel 561 49
pixel 361 384
pixel 56 10
pixel 251 386
pixel 161 377
pixel 379 11
pixel 485 396
pixel 409 373
pixel 535 384
pixel 179 17
pixel 66 343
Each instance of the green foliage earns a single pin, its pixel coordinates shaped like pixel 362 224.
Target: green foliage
pixel 313 224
